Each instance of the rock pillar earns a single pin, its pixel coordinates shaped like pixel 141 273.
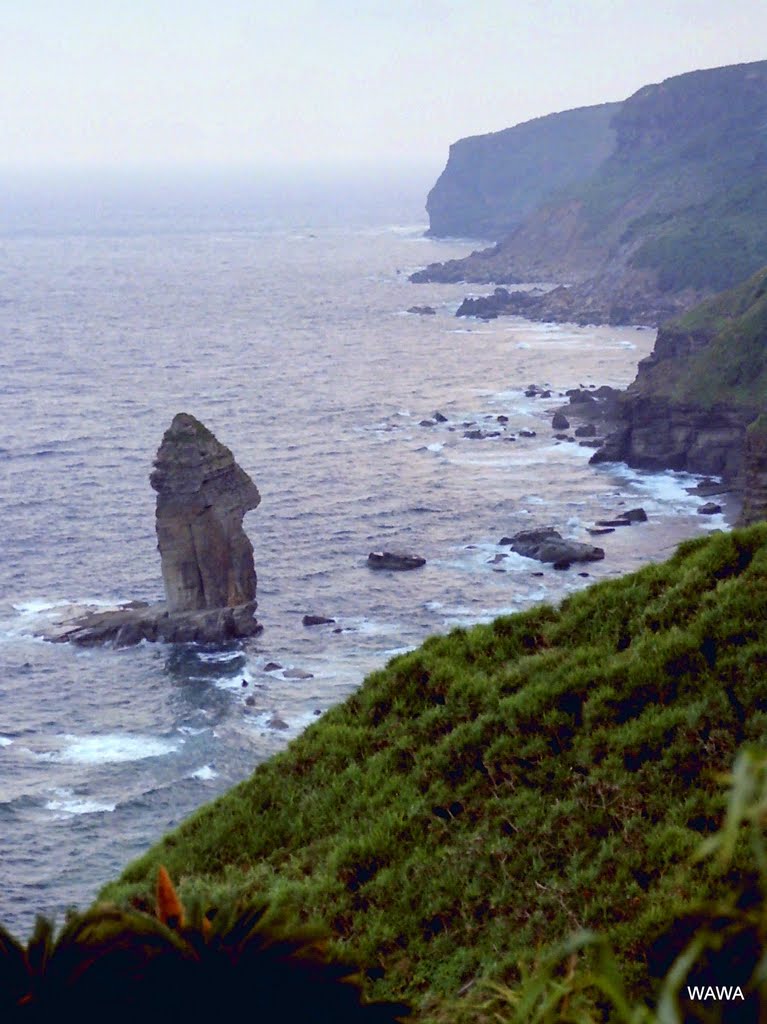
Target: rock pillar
pixel 202 496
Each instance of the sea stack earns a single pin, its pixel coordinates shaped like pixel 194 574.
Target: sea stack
pixel 205 555
pixel 202 496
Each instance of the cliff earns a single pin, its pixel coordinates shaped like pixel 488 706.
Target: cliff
pixel 677 210
pixel 698 391
pixel 492 182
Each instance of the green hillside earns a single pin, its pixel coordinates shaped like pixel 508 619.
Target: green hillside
pixel 717 353
pixel 505 786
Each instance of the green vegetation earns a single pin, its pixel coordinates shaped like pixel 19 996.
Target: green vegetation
pixel 505 787
pixel 711 245
pixel 727 359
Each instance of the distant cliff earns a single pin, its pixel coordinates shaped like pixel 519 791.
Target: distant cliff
pixel 674 213
pixel 699 401
pixel 492 182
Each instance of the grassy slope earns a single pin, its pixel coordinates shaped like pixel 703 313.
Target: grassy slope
pixel 502 786
pixel 731 369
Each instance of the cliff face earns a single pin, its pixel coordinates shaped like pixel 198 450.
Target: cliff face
pixel 695 396
pixel 492 182
pixel 677 210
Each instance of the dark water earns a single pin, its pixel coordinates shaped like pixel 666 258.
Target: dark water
pixel 276 316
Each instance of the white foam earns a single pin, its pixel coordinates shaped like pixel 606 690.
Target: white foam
pixel 204 774
pixel 218 656
pixel 114 748
pixel 235 682
pixel 40 605
pixel 66 802
pixel 5 741
pixel 436 447
pixel 37 605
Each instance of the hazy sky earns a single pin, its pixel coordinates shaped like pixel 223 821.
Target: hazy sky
pixel 125 82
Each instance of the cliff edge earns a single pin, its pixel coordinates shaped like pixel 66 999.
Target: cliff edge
pixel 492 182
pixel 695 396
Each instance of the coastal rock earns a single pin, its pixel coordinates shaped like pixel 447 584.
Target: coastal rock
pixel 486 307
pixel 398 560
pixel 586 430
pixel 547 545
pixel 560 422
pixel 634 515
pixel 316 620
pixel 423 310
pixel 205 555
pixel 659 434
pixel 709 509
pixel 129 625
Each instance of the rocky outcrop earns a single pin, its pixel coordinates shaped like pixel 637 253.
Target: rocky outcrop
pixel 674 213
pixel 626 302
pixel 755 473
pixel 693 398
pixel 202 496
pixel 547 545
pixel 656 433
pixel 134 622
pixel 205 555
pixel 397 560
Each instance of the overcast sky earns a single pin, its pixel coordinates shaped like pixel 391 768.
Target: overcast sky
pixel 251 82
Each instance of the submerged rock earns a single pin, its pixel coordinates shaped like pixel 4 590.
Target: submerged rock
pixel 205 556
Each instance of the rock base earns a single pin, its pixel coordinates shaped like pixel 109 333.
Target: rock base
pixel 134 622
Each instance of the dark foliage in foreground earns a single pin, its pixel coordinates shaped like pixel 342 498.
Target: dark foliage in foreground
pixel 112 965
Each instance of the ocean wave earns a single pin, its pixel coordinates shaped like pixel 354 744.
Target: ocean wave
pixel 112 748
pixel 68 803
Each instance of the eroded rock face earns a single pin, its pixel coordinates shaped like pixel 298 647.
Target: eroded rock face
pixel 658 434
pixel 202 496
pixel 206 557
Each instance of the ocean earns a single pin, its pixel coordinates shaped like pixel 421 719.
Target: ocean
pixel 275 311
